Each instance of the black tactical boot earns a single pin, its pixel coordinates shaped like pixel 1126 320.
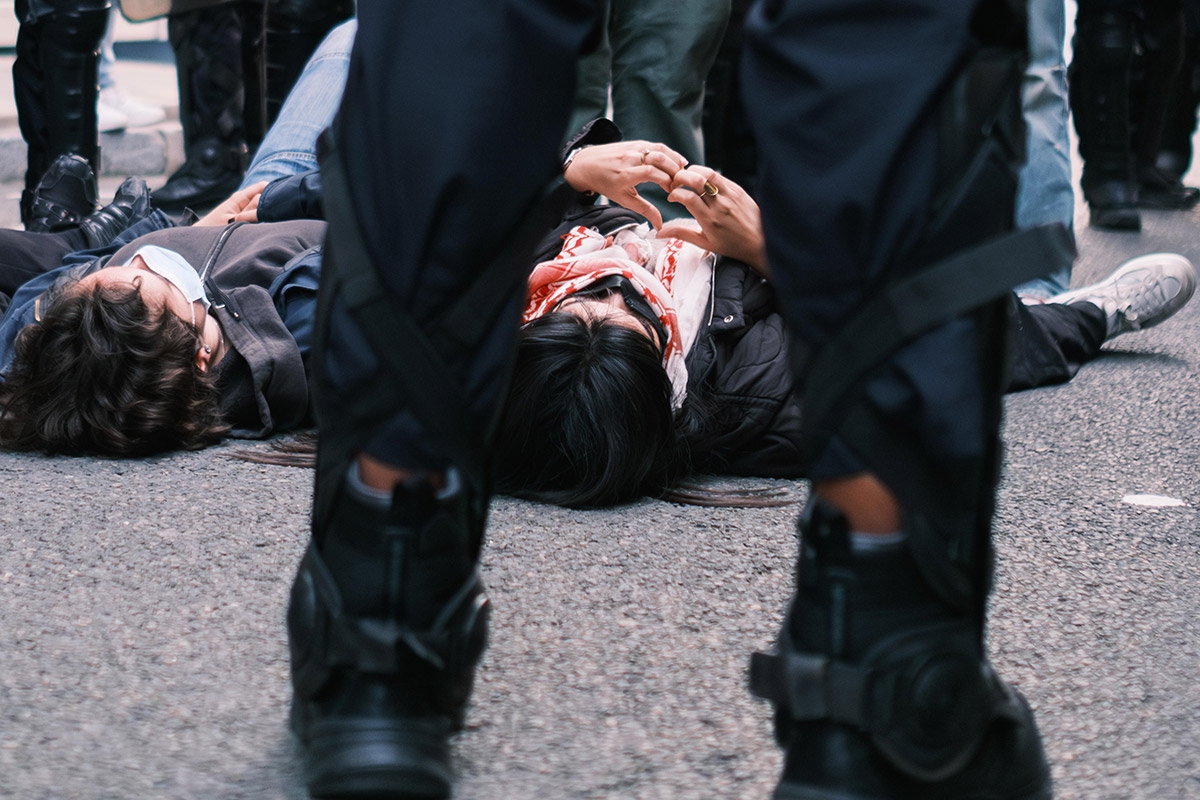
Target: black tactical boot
pixel 55 88
pixel 64 195
pixel 212 172
pixel 387 621
pixel 1099 95
pixel 1160 190
pixel 130 204
pixel 210 54
pixel 882 690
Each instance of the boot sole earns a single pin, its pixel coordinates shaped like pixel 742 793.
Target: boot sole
pixel 395 759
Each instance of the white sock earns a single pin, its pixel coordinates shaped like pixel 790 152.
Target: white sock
pixel 869 543
pixel 368 494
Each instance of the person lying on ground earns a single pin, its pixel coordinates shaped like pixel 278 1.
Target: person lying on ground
pixel 170 336
pixel 257 292
pixel 643 360
pixel 177 338
pixel 223 349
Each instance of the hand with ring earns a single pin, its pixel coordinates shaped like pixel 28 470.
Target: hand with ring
pixel 726 220
pixel 616 170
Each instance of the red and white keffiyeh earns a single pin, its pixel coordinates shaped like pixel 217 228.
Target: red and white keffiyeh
pixel 675 278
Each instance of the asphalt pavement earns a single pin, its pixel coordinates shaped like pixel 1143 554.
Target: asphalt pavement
pixel 143 655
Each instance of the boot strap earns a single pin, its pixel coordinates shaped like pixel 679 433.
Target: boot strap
pixel 453 643
pixel 925 701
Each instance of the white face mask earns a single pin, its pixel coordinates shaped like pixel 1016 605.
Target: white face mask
pixel 175 268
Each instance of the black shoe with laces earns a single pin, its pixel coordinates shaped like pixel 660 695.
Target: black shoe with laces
pixel 64 195
pixel 130 204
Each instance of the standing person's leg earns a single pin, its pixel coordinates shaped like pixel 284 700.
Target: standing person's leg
pixel 55 84
pixel 290 146
pixel 1175 155
pixel 421 290
pixel 1099 80
pixel 881 683
pixel 1046 188
pixel 293 30
pixel 593 77
pixel 212 101
pixel 662 51
pixel 1159 60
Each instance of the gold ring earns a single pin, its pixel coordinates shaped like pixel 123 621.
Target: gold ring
pixel 644 154
pixel 710 189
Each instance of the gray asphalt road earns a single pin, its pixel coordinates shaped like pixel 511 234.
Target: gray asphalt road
pixel 142 652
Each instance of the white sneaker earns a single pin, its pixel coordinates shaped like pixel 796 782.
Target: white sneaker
pixel 108 118
pixel 137 113
pixel 1142 292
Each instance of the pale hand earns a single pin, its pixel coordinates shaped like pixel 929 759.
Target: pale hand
pixel 241 206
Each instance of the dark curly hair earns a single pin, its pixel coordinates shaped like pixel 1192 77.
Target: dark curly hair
pixel 588 420
pixel 102 373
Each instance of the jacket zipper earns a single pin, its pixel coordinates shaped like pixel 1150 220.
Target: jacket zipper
pixel 218 298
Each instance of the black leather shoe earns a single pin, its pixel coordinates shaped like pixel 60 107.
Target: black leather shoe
pixel 1159 190
pixel 64 195
pixel 130 204
pixel 385 628
pixel 1173 164
pixel 213 171
pixel 1113 205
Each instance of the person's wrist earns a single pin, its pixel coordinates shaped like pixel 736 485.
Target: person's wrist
pixel 570 159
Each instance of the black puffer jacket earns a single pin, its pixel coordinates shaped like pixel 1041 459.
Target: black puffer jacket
pixel 742 415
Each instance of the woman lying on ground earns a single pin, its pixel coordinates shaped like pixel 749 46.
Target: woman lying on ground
pixel 643 360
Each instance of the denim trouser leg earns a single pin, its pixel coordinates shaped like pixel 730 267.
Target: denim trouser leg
pixel 290 146
pixel 1046 192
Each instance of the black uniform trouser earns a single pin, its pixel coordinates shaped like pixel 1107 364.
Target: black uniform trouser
pixel 55 84
pixel 840 93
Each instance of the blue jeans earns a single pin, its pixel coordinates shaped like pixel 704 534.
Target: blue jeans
pixel 290 146
pixel 1046 192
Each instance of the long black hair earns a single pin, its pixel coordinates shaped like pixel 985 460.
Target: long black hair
pixel 588 421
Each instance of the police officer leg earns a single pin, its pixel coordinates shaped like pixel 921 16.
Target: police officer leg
pixel 209 62
pixel 1099 77
pixel 293 30
pixel 880 679
pixel 55 88
pixel 420 297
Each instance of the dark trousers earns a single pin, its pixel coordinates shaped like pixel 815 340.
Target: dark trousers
pixel 1052 341
pixel 26 255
